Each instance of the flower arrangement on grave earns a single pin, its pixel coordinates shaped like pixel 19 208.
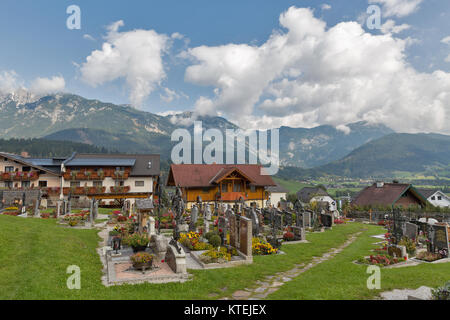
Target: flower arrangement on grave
pixel 428 256
pixel 261 247
pixel 137 241
pixel 381 260
pixel 12 208
pixel 288 236
pixel 381 223
pixel 121 218
pixel 339 221
pixel 191 240
pixel 441 293
pixel 73 223
pixel 410 245
pixel 217 255
pixel 11 213
pixel 142 260
pixel 45 215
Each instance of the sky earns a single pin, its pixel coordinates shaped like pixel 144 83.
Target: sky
pixel 260 64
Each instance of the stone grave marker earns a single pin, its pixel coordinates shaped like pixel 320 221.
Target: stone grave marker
pixel 411 230
pixel 194 217
pixel 222 225
pixel 299 233
pixel 245 236
pixel 327 220
pixel 307 219
pixel 255 222
pixel 440 238
pixel 300 220
pixel 234 237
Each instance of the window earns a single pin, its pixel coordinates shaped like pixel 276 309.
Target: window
pixel 205 190
pixel 118 183
pixel 74 184
pixel 25 184
pixel 439 198
pixel 224 187
pixel 252 188
pixel 97 183
pixel 120 168
pixel 42 184
pixel 8 184
pixel 26 169
pixel 139 183
pixel 237 186
pixel 9 169
pixel 433 198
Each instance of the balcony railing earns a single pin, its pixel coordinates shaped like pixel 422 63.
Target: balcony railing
pixel 95 175
pixel 83 190
pixel 19 176
pixel 122 189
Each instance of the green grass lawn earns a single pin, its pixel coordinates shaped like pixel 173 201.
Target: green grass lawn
pixel 340 279
pixel 291 185
pixel 35 254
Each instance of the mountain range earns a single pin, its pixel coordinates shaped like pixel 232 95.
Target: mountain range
pixel 69 117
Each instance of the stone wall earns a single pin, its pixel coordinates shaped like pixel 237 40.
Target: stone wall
pixel 10 195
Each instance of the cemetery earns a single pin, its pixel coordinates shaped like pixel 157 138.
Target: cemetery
pixel 160 242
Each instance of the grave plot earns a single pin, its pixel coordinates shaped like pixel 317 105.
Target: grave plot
pixel 407 243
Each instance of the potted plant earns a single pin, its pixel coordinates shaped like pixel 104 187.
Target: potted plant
pixel 137 241
pixel 142 260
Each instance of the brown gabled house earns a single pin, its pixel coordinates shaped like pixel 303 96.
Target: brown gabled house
pixel 220 182
pixel 382 194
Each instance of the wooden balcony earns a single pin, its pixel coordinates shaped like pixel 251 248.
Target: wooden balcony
pixel 83 191
pixel 95 175
pixel 19 176
pixel 123 189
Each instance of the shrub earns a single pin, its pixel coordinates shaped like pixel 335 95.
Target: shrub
pixel 215 240
pixel 208 235
pixel 409 244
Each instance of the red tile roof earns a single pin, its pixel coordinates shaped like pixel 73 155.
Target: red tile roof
pixel 205 175
pixel 388 194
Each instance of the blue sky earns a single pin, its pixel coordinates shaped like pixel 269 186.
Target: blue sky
pixel 36 43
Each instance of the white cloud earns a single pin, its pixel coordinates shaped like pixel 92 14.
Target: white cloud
pixel 446 40
pixel 325 6
pixel 9 81
pixel 343 128
pixel 47 85
pixel 88 37
pixel 135 56
pixel 398 8
pixel 390 27
pixel 447 59
pixel 310 75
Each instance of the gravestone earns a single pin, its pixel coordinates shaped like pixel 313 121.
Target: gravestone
pixel 300 220
pixel 307 219
pixel 299 233
pixel 411 230
pixel 245 236
pixel 91 211
pixel 194 217
pixel 95 209
pixel 327 220
pixel 176 259
pixel 287 218
pixel 151 227
pixel 234 237
pixel 255 222
pixel 222 225
pixel 440 241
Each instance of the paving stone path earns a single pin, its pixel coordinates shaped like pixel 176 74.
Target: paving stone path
pixel 272 283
